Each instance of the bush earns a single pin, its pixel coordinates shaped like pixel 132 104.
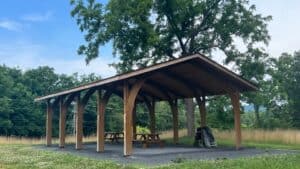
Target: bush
pixel 143 130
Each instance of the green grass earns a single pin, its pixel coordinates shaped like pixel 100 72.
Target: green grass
pixel 272 162
pixel 188 141
pixel 263 145
pixel 28 157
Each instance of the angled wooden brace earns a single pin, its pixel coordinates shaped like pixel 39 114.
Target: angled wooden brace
pixel 80 105
pixel 129 95
pixel 64 104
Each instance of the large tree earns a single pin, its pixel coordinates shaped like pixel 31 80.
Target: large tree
pixel 284 100
pixel 144 32
pixel 253 65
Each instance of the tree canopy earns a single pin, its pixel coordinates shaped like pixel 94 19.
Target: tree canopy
pixel 151 31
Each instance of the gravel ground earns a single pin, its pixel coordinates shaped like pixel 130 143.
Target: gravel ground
pixel 159 156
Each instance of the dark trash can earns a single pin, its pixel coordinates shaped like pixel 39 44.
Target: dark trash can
pixel 204 137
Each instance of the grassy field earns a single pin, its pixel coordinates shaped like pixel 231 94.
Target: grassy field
pixel 18 153
pixel 262 138
pixel 276 139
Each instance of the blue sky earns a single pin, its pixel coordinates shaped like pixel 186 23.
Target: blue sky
pixel 35 32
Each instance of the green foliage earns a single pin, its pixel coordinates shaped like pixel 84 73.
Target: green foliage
pixel 143 130
pixel 19 115
pixel 284 95
pixel 220 113
pixel 150 31
pixel 163 116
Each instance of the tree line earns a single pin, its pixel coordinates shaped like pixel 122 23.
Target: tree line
pixel 21 116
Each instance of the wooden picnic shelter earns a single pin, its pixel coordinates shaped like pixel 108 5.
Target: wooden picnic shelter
pixel 194 76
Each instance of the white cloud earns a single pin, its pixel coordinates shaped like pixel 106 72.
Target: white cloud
pixel 284 27
pixel 10 25
pixel 37 17
pixel 16 26
pixel 28 56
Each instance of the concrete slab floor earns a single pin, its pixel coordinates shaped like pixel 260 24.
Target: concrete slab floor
pixel 158 156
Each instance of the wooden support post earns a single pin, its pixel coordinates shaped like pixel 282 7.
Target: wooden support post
pixel 202 110
pixel 127 122
pixel 129 95
pixel 49 124
pixel 134 121
pixel 101 105
pixel 62 123
pixel 79 123
pixel 62 118
pixel 174 109
pixel 235 100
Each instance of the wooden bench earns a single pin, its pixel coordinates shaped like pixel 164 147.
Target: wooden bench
pixel 148 139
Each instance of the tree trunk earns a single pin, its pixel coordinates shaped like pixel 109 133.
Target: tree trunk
pixel 257 116
pixel 190 116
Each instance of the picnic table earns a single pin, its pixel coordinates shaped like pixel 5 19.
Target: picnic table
pixel 114 136
pixel 147 139
pixel 143 138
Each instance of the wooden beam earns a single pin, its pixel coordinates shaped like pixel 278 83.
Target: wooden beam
pixel 229 83
pixel 79 123
pixel 211 80
pixel 174 109
pixel 235 100
pixel 55 102
pixel 102 101
pixel 69 99
pixel 62 123
pixel 49 124
pixel 87 96
pixel 145 93
pixel 247 85
pixel 119 78
pixel 193 85
pixel 157 91
pixel 129 95
pixel 183 84
pixel 119 92
pixel 202 110
pixel 165 88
